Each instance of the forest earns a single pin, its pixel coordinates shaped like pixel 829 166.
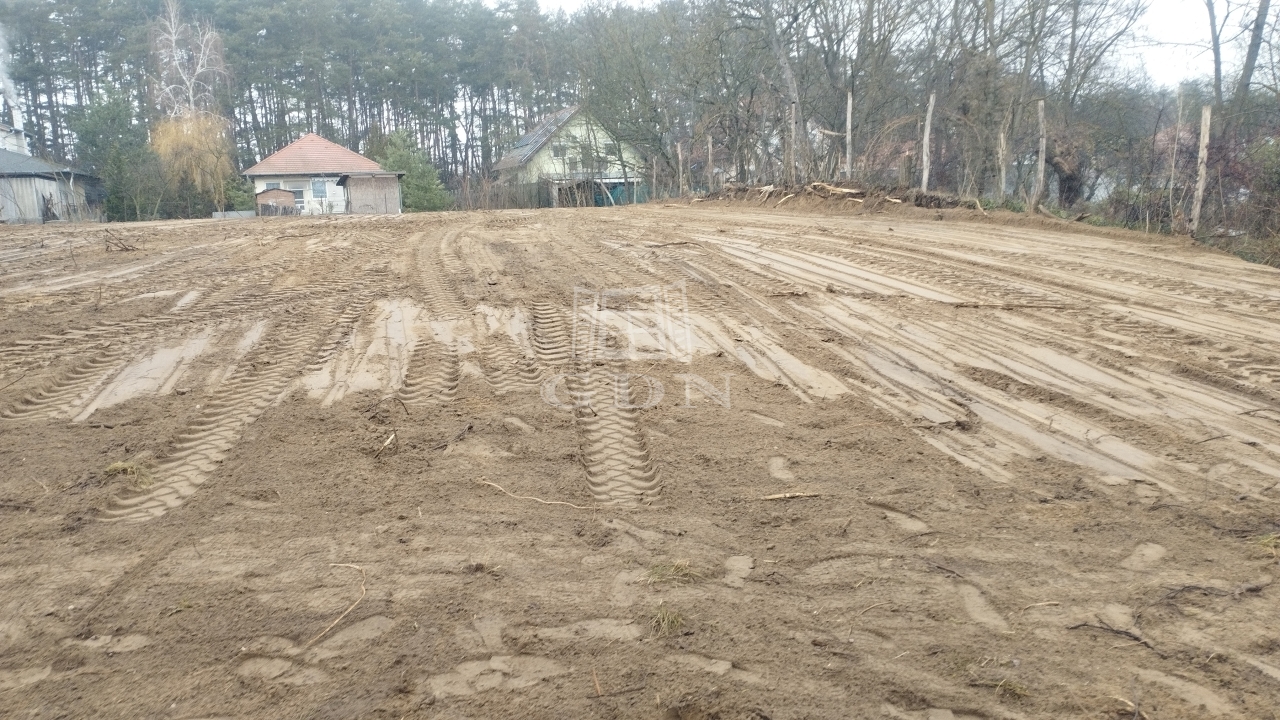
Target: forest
pixel 709 91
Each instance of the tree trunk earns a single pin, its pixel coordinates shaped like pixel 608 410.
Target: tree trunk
pixel 1038 189
pixel 1215 38
pixel 680 168
pixel 848 136
pixel 926 150
pixel 792 160
pixel 1002 157
pixel 1202 166
pixel 781 55
pixel 710 168
pixel 1173 165
pixel 1246 73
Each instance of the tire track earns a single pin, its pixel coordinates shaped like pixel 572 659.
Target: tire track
pixel 551 340
pixel 69 388
pixel 434 388
pixel 434 370
pixel 261 377
pixel 619 468
pixel 509 370
pixel 615 455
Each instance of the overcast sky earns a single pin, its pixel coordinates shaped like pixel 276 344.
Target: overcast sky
pixel 1178 29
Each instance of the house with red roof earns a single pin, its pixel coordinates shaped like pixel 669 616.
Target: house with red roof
pixel 326 178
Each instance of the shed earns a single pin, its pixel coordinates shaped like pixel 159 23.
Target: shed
pixel 276 201
pixel 34 191
pixel 310 168
pixel 372 193
pixel 570 159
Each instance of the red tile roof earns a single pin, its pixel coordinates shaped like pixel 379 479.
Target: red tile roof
pixel 313 155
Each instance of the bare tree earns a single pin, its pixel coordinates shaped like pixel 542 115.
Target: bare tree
pixel 193 140
pixel 189 63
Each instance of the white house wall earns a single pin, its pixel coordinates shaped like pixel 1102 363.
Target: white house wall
pixel 334 204
pixel 578 132
pixel 13 141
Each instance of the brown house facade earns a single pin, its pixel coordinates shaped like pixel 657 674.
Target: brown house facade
pixel 276 201
pixel 374 193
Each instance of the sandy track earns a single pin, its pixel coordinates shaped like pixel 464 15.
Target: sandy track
pixel 1030 474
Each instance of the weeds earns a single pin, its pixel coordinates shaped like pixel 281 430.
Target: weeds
pixel 1270 541
pixel 137 476
pixel 677 571
pixel 1005 689
pixel 666 622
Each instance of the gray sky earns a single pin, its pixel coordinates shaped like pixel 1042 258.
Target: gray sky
pixel 1184 25
pixel 1181 22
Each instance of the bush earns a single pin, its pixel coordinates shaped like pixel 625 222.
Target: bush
pixel 420 187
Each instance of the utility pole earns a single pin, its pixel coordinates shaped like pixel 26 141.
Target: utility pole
pixel 925 153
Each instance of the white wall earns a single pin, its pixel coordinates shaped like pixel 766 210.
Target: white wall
pixel 335 201
pixel 13 140
pixel 572 140
pixel 22 199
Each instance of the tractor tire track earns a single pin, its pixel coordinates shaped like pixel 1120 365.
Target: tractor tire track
pixel 260 378
pixel 69 388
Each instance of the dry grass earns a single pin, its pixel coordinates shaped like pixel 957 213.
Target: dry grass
pixel 677 571
pixel 136 475
pixel 1005 689
pixel 666 622
pixel 1270 542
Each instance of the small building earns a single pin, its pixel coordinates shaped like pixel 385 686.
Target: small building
pixel 275 201
pixel 310 169
pixel 569 159
pixel 36 191
pixel 372 193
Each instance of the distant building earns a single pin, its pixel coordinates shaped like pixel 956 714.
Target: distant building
pixel 13 139
pixel 372 193
pixel 275 201
pixel 570 159
pixel 313 169
pixel 35 191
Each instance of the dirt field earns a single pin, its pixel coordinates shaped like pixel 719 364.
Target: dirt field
pixel 681 462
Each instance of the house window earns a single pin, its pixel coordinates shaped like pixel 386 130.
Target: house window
pixel 611 150
pixel 557 151
pixel 573 165
pixel 296 189
pixel 319 190
pixel 273 186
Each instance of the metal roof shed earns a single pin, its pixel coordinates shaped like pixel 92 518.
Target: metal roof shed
pixel 33 190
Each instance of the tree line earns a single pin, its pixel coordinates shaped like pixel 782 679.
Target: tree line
pixel 709 91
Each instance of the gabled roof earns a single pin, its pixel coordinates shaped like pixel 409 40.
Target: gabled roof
pixel 528 145
pixel 313 155
pixel 15 164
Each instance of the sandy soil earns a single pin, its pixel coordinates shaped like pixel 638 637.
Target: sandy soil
pixel 681 462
